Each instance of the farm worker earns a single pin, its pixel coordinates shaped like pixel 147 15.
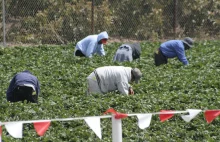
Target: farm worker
pixel 92 44
pixel 171 49
pixel 23 86
pixel 110 78
pixel 128 52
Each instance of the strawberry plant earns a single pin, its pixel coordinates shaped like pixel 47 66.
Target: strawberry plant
pixel 63 84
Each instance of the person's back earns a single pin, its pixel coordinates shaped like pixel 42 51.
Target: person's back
pixel 172 48
pixel 114 77
pixel 89 40
pixel 23 86
pixel 124 53
pixel 127 52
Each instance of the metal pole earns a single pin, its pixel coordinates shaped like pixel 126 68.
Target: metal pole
pixel 3 22
pixel 116 129
pixel 175 18
pixel 92 18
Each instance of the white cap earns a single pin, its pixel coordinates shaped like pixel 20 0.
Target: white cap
pixel 30 85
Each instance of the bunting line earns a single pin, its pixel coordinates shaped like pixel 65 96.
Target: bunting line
pixel 15 128
pixel 102 116
pixel 58 119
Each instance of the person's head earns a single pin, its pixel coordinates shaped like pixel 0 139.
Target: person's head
pixel 102 37
pixel 136 50
pixel 188 43
pixel 104 40
pixel 135 75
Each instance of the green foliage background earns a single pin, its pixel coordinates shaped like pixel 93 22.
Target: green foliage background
pixel 63 85
pixel 65 21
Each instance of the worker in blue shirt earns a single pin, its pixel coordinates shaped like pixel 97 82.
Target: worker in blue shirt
pixel 23 86
pixel 171 49
pixel 92 44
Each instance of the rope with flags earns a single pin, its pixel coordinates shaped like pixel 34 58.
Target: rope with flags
pixel 15 128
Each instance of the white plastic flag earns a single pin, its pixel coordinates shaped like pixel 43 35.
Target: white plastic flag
pixel 14 129
pixel 94 124
pixel 192 114
pixel 144 120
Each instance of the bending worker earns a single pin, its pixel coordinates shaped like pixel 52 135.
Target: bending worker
pixel 171 49
pixel 92 44
pixel 23 86
pixel 128 52
pixel 110 78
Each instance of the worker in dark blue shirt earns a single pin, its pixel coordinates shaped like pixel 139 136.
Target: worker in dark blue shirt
pixel 23 86
pixel 171 49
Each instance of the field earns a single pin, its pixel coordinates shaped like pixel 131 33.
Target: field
pixel 63 85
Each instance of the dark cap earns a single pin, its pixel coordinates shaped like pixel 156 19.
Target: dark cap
pixel 137 74
pixel 188 41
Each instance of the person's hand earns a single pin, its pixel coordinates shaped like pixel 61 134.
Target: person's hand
pixel 131 91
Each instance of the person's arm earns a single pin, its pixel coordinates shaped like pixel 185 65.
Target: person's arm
pixel 101 51
pixel 131 91
pixel 38 87
pixel 123 87
pixel 181 55
pixel 90 49
pixel 11 86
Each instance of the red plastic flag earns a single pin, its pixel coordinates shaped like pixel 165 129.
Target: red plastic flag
pixel 164 117
pixel 120 115
pixel 111 110
pixel 117 114
pixel 210 115
pixel 41 127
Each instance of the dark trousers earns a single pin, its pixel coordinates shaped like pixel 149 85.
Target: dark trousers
pixel 22 93
pixel 79 53
pixel 159 58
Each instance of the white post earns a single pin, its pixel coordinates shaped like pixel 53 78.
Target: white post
pixel 116 129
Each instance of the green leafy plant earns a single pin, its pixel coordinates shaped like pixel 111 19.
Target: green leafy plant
pixel 63 84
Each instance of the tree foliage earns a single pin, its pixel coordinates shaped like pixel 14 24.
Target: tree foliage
pixel 63 21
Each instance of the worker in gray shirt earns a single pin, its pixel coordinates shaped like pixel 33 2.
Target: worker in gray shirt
pixel 127 52
pixel 110 78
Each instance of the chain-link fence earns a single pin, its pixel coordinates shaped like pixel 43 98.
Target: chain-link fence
pixel 65 21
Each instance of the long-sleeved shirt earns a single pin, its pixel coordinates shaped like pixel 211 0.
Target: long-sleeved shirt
pixel 124 53
pixel 114 78
pixel 174 48
pixel 127 52
pixel 90 45
pixel 24 78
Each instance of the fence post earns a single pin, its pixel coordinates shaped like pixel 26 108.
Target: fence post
pixel 175 18
pixel 3 22
pixel 92 18
pixel 116 130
